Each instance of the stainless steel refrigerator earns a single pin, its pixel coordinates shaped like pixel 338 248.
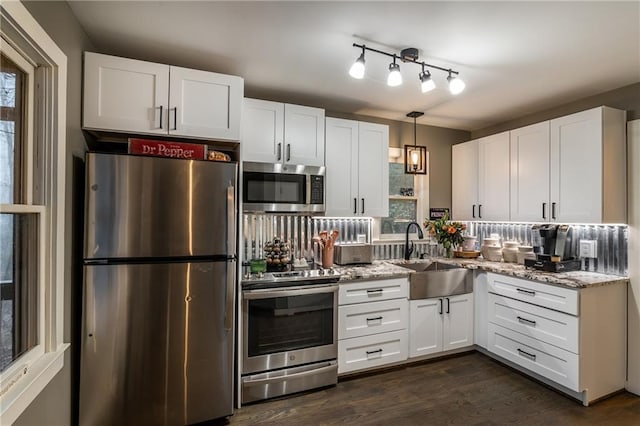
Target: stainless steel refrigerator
pixel 158 291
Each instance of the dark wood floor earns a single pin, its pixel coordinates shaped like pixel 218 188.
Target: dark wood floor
pixel 470 389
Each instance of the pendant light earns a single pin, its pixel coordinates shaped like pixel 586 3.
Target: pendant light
pixel 415 156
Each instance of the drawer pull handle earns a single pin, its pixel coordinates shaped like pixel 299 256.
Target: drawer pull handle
pixel 377 351
pixel 374 319
pixel 527 292
pixel 526 321
pixel 377 290
pixel 527 354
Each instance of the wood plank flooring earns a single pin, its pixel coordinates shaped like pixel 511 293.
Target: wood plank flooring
pixel 470 389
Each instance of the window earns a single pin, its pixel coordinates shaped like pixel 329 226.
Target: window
pixel 18 231
pixel 408 199
pixel 32 152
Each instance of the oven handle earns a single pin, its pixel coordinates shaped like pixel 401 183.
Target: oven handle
pixel 270 293
pixel 254 382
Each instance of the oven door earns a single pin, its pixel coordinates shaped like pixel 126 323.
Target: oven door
pixel 288 327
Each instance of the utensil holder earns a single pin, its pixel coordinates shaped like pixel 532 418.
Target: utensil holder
pixel 327 257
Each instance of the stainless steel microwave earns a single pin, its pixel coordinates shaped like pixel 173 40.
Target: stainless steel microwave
pixel 282 188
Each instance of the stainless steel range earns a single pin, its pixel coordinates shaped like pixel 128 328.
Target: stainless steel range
pixel 290 333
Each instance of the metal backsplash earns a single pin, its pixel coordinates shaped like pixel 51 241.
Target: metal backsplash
pixel 299 230
pixel 612 241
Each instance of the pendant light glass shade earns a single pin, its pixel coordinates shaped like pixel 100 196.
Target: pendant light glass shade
pixel 426 82
pixel 394 78
pixel 357 69
pixel 456 85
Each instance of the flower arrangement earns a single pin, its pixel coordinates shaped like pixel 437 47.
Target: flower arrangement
pixel 449 234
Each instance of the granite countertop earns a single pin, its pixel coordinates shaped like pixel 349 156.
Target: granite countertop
pixel 378 270
pixel 390 269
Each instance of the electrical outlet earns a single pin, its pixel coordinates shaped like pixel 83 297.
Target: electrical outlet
pixel 588 248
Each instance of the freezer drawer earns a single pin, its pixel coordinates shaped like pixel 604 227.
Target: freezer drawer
pixel 155 348
pixel 144 207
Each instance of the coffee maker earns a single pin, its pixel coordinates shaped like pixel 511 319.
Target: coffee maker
pixel 552 245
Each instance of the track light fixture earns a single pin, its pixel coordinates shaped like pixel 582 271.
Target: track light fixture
pixel 456 85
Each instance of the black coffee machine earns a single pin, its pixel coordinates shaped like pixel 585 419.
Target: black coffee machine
pixel 552 245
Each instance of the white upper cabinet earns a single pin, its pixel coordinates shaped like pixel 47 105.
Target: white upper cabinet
pixel 464 181
pixel 588 173
pixel 570 170
pixel 274 132
pixel 480 179
pixel 357 168
pixel 493 177
pixel 530 173
pixel 204 104
pixel 262 131
pixel 131 96
pixel 303 135
pixel 342 167
pixel 373 169
pixel 125 95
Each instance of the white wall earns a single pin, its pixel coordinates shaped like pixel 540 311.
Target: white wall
pixel 633 355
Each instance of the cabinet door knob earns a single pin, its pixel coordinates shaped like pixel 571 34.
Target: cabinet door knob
pixel 480 211
pixel 161 114
pixel 288 152
pixel 440 310
pixel 279 151
pixel 553 210
pixel 473 211
pixel 448 306
pixel 363 206
pixel 355 205
pixel 544 210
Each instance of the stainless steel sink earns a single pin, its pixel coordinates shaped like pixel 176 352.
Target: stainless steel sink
pixel 435 279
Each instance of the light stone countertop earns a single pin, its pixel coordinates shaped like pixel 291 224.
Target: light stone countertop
pixel 383 269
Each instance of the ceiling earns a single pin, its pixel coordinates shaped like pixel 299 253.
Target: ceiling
pixel 515 57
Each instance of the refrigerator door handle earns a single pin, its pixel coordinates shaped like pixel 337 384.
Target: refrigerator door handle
pixel 231 220
pixel 231 266
pixel 231 280
pixel 90 313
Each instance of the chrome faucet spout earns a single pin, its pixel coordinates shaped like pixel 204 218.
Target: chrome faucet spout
pixel 408 249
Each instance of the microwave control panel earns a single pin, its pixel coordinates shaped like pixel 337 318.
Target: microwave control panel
pixel 317 189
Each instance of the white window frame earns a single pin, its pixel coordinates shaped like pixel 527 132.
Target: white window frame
pixel 29 374
pixel 421 195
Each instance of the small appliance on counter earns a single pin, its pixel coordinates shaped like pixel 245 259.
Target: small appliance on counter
pixel 353 254
pixel 553 248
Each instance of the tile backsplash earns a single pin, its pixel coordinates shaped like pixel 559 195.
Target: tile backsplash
pixel 299 231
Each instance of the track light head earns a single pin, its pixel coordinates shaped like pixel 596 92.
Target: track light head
pixel 426 82
pixel 456 85
pixel 394 78
pixel 357 69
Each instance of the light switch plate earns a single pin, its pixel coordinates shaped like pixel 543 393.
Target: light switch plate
pixel 588 248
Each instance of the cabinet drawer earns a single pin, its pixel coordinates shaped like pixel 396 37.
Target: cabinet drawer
pixel 372 318
pixel 549 326
pixel 372 351
pixel 373 291
pixel 546 360
pixel 545 295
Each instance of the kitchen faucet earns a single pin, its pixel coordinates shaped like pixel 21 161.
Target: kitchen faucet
pixel 409 249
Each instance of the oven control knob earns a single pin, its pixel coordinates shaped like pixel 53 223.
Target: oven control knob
pixel 292 358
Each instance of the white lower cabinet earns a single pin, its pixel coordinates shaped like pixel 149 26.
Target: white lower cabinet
pixel 364 352
pixel 575 338
pixel 440 324
pixel 372 324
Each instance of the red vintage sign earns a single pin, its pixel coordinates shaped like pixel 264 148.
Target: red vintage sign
pixel 187 151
